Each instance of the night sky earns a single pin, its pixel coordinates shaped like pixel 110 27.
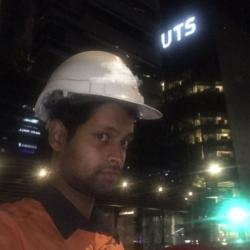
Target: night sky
pixel 198 53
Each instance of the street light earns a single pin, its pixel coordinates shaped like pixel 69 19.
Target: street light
pixel 190 193
pixel 237 215
pixel 42 173
pixel 214 168
pixel 124 184
pixel 234 215
pixel 160 189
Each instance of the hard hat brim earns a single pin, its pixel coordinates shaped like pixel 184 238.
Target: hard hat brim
pixel 145 112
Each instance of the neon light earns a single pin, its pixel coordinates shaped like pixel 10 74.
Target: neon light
pixel 190 26
pixel 34 121
pixel 29 131
pixel 178 32
pixel 29 146
pixel 177 29
pixel 127 213
pixel 163 39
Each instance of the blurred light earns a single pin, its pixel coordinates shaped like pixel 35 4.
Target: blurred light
pixel 42 173
pixel 239 241
pixel 213 197
pixel 186 198
pixel 147 75
pixel 190 193
pixel 23 145
pixel 160 189
pixel 29 131
pixel 163 86
pixel 237 215
pixel 187 241
pixel 214 168
pixel 127 212
pixel 234 214
pixel 31 120
pixel 124 184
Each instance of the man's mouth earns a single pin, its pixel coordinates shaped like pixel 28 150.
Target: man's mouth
pixel 111 175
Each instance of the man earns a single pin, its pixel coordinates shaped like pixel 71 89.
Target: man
pixel 89 106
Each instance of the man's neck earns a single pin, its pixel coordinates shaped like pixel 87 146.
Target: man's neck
pixel 82 202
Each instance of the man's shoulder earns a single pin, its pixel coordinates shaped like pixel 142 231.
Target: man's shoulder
pixel 21 209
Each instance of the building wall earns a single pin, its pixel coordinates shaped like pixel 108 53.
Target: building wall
pixel 197 115
pixel 233 44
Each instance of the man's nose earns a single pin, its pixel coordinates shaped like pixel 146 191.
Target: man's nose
pixel 117 156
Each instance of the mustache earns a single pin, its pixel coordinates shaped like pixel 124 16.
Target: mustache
pixel 111 169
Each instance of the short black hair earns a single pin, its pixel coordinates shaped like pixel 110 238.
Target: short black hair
pixel 73 113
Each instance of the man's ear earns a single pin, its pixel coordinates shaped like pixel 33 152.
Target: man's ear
pixel 57 135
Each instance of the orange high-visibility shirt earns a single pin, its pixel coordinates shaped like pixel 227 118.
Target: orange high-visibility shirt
pixel 51 222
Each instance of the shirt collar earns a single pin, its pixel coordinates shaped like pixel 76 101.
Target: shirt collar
pixel 68 219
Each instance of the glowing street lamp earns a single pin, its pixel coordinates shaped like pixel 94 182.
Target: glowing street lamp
pixel 190 193
pixel 237 215
pixel 234 214
pixel 160 189
pixel 42 173
pixel 124 184
pixel 214 168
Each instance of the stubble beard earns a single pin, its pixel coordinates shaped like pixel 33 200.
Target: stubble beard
pixel 92 186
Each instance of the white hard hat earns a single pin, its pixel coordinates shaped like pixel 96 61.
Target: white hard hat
pixel 97 74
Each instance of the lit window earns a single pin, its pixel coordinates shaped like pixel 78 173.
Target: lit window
pixel 224 153
pixel 172 85
pixel 195 89
pixel 191 139
pixel 198 89
pixel 198 136
pixel 202 88
pixel 218 120
pixel 219 88
pixel 223 136
pixel 226 184
pixel 197 122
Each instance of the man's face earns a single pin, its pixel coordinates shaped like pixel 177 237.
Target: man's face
pixel 92 160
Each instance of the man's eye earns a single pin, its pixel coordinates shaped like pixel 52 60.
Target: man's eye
pixel 103 137
pixel 125 143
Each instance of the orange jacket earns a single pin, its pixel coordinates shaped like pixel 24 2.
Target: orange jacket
pixel 30 224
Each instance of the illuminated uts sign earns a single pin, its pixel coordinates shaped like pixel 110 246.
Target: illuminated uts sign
pixel 178 32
